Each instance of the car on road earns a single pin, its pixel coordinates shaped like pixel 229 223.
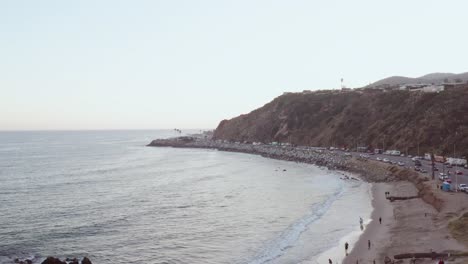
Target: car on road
pixel 458 172
pixel 364 156
pixel 435 168
pixel 416 168
pixel 423 171
pixel 378 159
pixel 417 163
pixel 462 187
pixel 386 160
pixel 447 179
pixel 401 163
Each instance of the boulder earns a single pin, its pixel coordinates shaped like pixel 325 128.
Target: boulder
pixel 86 261
pixel 52 260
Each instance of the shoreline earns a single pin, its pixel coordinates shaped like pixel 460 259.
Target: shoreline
pixel 400 230
pixel 337 253
pixel 374 231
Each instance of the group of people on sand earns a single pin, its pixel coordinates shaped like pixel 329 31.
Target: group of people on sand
pixel 369 244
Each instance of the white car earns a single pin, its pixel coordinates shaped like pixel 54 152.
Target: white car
pixel 401 163
pixel 386 160
pixel 442 176
pixel 462 187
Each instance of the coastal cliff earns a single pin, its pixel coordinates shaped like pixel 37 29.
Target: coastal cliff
pixel 408 121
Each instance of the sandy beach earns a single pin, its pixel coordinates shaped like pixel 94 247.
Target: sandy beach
pixel 408 226
pixel 377 233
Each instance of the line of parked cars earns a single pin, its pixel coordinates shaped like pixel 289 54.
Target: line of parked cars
pixel 385 160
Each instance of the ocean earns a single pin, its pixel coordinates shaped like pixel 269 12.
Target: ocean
pixel 105 195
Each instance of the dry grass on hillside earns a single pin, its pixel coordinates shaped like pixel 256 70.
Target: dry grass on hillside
pixel 459 228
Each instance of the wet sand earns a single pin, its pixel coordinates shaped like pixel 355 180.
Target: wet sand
pixel 377 233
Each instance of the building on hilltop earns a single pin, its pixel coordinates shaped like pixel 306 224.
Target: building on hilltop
pixel 450 86
pixel 433 88
pixel 421 87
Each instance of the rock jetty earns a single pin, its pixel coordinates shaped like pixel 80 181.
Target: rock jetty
pixel 336 160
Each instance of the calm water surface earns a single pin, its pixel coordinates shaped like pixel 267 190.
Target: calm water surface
pixel 103 194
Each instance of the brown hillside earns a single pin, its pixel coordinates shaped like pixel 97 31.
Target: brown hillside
pixel 398 119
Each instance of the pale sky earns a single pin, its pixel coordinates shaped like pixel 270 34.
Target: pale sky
pixel 190 64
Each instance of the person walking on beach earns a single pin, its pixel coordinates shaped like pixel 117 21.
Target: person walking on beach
pixel 380 220
pixel 346 245
pixel 330 261
pixel 368 244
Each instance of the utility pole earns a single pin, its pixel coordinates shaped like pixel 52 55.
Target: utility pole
pixel 418 148
pixel 432 159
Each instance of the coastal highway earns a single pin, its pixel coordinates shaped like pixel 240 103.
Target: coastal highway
pixel 425 164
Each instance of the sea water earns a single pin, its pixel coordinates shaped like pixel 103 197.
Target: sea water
pixel 104 195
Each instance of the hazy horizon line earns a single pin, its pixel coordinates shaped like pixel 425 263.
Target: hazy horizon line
pixel 106 129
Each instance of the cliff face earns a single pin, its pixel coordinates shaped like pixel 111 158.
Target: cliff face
pixel 395 120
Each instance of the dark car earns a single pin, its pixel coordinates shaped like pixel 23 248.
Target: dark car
pixel 435 169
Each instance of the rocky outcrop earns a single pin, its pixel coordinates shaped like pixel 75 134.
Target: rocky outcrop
pixel 53 260
pixel 369 170
pixel 434 122
pixel 86 261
